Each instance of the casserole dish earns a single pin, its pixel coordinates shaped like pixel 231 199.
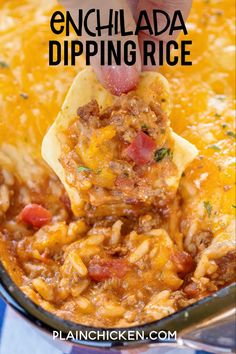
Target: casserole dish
pixel 208 324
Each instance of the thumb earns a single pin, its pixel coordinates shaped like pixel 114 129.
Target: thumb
pixel 116 78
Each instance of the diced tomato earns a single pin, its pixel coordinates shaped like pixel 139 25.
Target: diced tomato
pixel 35 215
pixel 102 269
pixel 141 149
pixel 183 262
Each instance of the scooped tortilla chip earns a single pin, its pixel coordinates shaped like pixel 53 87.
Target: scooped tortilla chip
pixel 152 87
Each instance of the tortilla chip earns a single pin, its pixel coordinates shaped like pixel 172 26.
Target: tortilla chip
pixel 152 87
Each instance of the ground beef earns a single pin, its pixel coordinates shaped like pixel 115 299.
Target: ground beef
pixel 192 290
pixel 130 114
pixel 183 262
pixel 119 170
pixel 226 272
pixel 89 114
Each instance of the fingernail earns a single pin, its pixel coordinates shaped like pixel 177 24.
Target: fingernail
pixel 119 79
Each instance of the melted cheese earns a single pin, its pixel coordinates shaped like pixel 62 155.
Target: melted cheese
pixel 86 87
pixel 203 100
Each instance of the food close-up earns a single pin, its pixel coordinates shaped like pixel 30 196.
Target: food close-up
pixel 117 210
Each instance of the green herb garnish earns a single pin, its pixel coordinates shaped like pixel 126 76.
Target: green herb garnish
pixel 208 207
pixel 234 206
pixel 221 97
pixel 230 133
pixel 161 154
pixel 217 115
pixel 145 128
pixel 83 168
pixel 24 95
pixel 215 147
pixel 3 64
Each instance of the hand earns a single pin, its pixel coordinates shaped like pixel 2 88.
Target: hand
pixel 123 78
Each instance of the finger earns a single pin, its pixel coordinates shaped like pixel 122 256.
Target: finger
pixel 169 6
pixel 149 66
pixel 117 78
pixel 133 6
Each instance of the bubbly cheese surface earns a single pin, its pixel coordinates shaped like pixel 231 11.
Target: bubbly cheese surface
pixel 31 94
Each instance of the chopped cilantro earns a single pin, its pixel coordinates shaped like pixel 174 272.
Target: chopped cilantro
pixel 234 206
pixel 230 133
pixel 145 128
pixel 83 168
pixel 3 64
pixel 217 115
pixel 219 12
pixel 208 207
pixel 221 97
pixel 161 154
pixel 24 95
pixel 215 147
